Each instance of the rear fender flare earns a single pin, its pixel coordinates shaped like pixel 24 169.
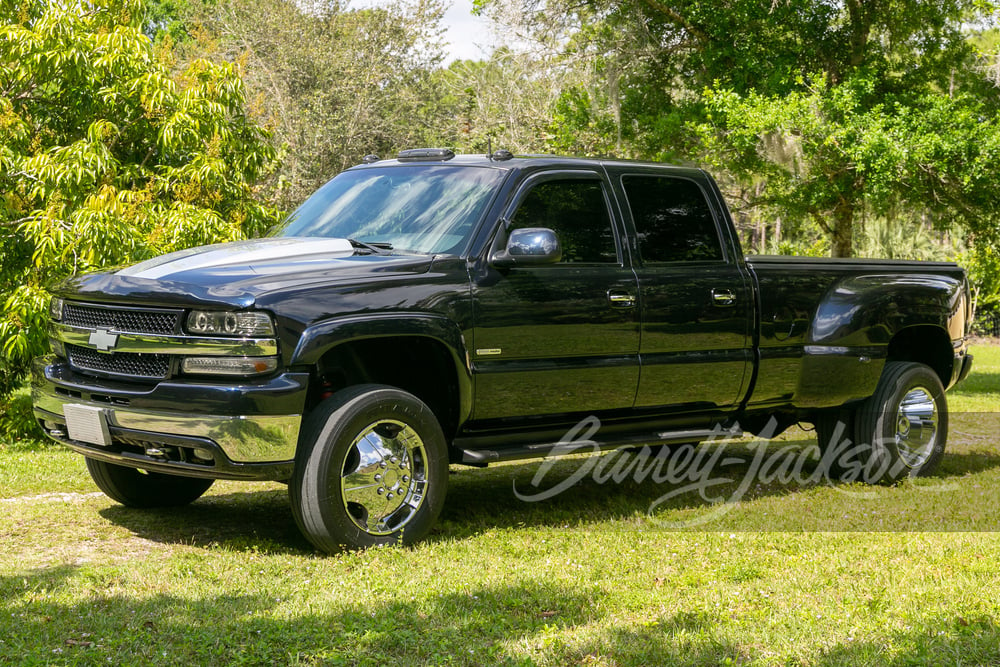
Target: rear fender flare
pixel 857 319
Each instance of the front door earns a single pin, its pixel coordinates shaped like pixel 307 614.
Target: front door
pixel 561 338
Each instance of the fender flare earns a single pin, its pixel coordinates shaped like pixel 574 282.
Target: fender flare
pixel 320 337
pixel 855 322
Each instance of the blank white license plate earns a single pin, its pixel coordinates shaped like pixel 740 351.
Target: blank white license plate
pixel 87 424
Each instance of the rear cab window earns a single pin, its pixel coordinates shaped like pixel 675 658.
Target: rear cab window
pixel 673 220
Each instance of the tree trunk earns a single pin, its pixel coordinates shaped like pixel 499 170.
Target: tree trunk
pixel 842 242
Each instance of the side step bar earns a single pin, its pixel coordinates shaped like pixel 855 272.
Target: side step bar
pixel 483 457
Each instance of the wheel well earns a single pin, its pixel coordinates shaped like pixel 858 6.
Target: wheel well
pixel 421 366
pixel 928 345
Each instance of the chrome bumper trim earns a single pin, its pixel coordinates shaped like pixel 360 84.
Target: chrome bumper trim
pixel 243 438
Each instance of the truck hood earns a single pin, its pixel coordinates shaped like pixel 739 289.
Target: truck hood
pixel 236 273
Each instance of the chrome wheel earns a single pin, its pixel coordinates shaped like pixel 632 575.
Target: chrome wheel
pixel 384 477
pixel 916 427
pixel 902 429
pixel 371 470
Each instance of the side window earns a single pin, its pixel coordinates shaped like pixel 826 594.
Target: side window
pixel 577 211
pixel 672 219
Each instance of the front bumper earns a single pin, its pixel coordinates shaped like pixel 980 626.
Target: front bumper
pixel 219 431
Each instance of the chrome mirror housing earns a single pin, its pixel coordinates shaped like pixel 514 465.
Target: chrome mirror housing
pixel 531 246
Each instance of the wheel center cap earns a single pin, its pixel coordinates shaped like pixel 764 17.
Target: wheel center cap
pixel 903 426
pixel 390 478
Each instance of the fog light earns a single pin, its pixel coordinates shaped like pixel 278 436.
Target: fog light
pixel 229 365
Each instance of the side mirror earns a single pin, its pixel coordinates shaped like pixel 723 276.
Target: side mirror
pixel 531 246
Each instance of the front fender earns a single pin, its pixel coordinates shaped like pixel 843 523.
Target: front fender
pixel 321 337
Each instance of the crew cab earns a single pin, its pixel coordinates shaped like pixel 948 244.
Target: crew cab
pixel 437 309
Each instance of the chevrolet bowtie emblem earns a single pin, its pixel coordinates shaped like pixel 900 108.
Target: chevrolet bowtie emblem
pixel 103 340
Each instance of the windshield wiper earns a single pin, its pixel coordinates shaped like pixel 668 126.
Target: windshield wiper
pixel 373 248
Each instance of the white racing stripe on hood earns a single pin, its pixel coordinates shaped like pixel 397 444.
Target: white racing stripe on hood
pixel 238 253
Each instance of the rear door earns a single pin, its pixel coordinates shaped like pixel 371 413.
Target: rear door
pixel 561 338
pixel 695 295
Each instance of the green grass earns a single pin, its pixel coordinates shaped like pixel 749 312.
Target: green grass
pixel 828 575
pixel 980 392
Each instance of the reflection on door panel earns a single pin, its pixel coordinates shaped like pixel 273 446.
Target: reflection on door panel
pixel 563 346
pixel 695 305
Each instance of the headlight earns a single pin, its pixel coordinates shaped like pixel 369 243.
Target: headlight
pixel 229 323
pixel 229 365
pixel 55 309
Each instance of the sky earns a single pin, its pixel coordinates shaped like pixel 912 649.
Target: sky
pixel 469 37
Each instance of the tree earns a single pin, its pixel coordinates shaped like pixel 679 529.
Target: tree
pixel 503 102
pixel 106 159
pixel 334 83
pixel 844 106
pixel 831 155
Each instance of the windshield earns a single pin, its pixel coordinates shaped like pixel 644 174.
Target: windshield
pixel 424 209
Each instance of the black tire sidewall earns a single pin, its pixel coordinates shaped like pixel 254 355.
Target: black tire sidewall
pixel 145 490
pixel 876 421
pixel 327 436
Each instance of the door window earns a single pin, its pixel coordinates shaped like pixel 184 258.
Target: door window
pixel 577 211
pixel 673 221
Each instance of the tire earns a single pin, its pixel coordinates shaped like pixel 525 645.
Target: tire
pixel 141 489
pixel 901 431
pixel 835 435
pixel 371 469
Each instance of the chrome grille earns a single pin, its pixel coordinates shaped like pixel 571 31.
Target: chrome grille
pixel 125 364
pixel 125 320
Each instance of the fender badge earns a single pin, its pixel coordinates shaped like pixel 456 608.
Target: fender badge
pixel 489 352
pixel 103 340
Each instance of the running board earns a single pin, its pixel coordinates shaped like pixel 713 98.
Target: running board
pixel 483 457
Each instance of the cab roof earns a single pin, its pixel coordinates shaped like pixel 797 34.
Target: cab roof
pixel 507 161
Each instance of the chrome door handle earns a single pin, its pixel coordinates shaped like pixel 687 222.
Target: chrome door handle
pixel 621 299
pixel 723 297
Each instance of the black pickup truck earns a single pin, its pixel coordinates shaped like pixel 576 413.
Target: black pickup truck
pixel 437 309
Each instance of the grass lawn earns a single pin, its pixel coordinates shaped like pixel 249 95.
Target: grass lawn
pixel 783 573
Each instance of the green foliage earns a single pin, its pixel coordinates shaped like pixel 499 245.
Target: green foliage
pixel 905 240
pixel 982 261
pixel 837 110
pixel 166 20
pixel 503 102
pixel 106 159
pixel 819 248
pixel 830 153
pixel 334 83
pixel 17 421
